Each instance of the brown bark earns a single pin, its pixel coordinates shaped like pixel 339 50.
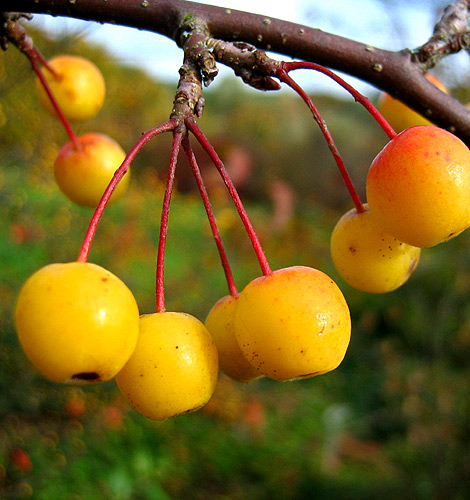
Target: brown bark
pixel 399 73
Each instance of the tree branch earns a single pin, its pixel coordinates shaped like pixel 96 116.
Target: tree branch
pixel 399 73
pixel 450 35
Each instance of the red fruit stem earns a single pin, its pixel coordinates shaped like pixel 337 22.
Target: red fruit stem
pixel 118 175
pixel 358 97
pixel 210 214
pixel 36 60
pixel 284 77
pixel 198 133
pixel 170 181
pixel 46 64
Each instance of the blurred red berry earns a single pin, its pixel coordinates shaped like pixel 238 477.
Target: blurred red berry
pixel 75 407
pixel 21 460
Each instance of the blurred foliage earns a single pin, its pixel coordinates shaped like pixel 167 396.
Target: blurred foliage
pixel 393 421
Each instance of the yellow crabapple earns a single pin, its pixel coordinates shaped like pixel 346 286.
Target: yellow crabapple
pixel 77 85
pixel 174 367
pixel 418 186
pixel 399 115
pixel 367 257
pixel 293 323
pixel 76 322
pixel 220 323
pixel 83 174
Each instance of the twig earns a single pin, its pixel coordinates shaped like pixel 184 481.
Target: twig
pixel 450 35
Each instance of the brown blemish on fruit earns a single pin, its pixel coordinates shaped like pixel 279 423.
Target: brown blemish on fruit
pixel 352 249
pixel 86 376
pixel 185 412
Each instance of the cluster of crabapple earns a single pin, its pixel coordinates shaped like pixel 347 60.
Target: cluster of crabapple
pixel 80 324
pixel 418 195
pixel 417 188
pixel 73 89
pixel 289 324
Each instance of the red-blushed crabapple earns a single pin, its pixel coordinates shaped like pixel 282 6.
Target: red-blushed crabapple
pixel 77 85
pixel 83 174
pixel 418 186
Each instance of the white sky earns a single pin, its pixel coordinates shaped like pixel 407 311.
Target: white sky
pixel 157 54
pixel 363 20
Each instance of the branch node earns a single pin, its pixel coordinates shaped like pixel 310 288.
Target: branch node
pixel 450 35
pixel 189 100
pixel 252 65
pixel 12 32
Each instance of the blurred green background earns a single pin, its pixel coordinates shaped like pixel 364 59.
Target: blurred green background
pixel 393 421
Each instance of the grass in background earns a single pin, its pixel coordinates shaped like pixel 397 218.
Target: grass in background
pixel 391 422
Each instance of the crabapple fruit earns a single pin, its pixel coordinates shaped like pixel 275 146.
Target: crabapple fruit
pixel 418 186
pixel 84 174
pixel 399 115
pixel 293 323
pixel 77 85
pixel 174 367
pixel 367 257
pixel 220 324
pixel 76 322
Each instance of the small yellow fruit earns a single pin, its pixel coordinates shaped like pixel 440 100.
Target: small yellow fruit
pixel 399 115
pixel 220 323
pixel 293 323
pixel 77 322
pixel 84 174
pixel 418 186
pixel 367 257
pixel 77 85
pixel 174 368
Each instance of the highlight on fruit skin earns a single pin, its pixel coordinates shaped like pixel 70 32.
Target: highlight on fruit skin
pixel 173 369
pixel 220 323
pixel 76 322
pixel 293 323
pixel 418 186
pixel 77 85
pixel 84 174
pixel 367 257
pixel 399 115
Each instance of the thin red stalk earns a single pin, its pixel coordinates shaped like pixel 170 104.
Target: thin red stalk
pixel 160 287
pixel 284 77
pixel 358 97
pixel 36 60
pixel 210 214
pixel 118 175
pixel 45 63
pixel 197 132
